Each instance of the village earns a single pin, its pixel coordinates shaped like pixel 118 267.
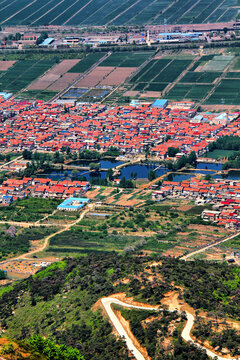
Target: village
pixel 132 128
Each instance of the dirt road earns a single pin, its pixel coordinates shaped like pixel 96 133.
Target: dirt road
pixel 106 302
pixel 46 240
pixel 185 257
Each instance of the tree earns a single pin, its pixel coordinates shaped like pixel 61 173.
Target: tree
pixel 94 166
pixel 42 37
pixel 172 151
pixel 151 175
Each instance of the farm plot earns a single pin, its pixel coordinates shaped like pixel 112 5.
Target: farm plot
pixel 233 75
pixel 63 82
pixel 157 74
pixel 218 63
pixel 190 92
pixel 95 76
pixel 53 75
pixel 44 95
pixel 229 90
pixel 118 76
pixel 117 58
pixel 22 73
pixel 200 77
pixel 87 62
pixel 5 65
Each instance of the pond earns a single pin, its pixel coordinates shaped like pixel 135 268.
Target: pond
pixel 104 164
pixel 61 175
pixel 210 166
pixel 141 171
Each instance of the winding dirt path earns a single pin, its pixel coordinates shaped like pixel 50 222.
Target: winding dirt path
pixel 46 240
pixel 108 301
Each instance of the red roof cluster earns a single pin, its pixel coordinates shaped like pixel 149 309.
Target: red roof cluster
pixel 49 127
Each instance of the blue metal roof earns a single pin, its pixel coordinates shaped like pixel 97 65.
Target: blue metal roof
pixel 47 41
pixel 160 103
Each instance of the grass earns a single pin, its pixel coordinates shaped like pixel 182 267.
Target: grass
pixel 219 154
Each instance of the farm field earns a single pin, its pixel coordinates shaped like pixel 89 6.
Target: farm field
pixel 186 77
pixel 171 228
pixel 112 12
pixel 228 91
pixel 22 73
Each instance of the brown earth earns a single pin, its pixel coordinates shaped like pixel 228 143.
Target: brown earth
pixel 118 76
pixel 53 75
pixel 5 65
pixel 64 81
pixel 95 76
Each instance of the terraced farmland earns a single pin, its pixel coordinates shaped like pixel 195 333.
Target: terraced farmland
pixel 116 12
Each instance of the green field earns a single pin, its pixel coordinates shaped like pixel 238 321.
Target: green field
pixel 219 154
pixel 190 92
pixel 200 77
pixel 44 95
pixel 157 74
pixel 87 62
pixel 228 91
pixel 22 73
pixel 28 210
pixel 126 59
pixel 110 12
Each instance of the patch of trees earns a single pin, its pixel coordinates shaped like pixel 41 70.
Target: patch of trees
pixel 2 275
pixel 212 287
pixel 52 351
pixel 172 151
pixel 182 162
pixel 225 143
pixel 126 183
pixel 233 161
pixel 228 338
pixel 152 334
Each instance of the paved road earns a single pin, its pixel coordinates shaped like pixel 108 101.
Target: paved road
pixel 122 332
pixel 185 257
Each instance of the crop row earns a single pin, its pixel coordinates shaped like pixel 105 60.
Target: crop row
pixel 22 73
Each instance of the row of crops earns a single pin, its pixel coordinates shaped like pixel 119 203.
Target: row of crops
pixel 22 73
pixel 116 12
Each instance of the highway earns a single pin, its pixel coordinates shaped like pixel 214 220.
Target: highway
pixel 108 301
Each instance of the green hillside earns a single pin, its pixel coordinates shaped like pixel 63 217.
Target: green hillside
pixel 58 301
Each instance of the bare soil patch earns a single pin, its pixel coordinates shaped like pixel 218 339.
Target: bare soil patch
pixel 118 76
pixel 5 65
pixel 53 75
pixel 131 93
pixel 64 81
pixel 95 76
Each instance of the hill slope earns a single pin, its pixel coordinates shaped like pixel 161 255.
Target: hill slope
pixel 58 301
